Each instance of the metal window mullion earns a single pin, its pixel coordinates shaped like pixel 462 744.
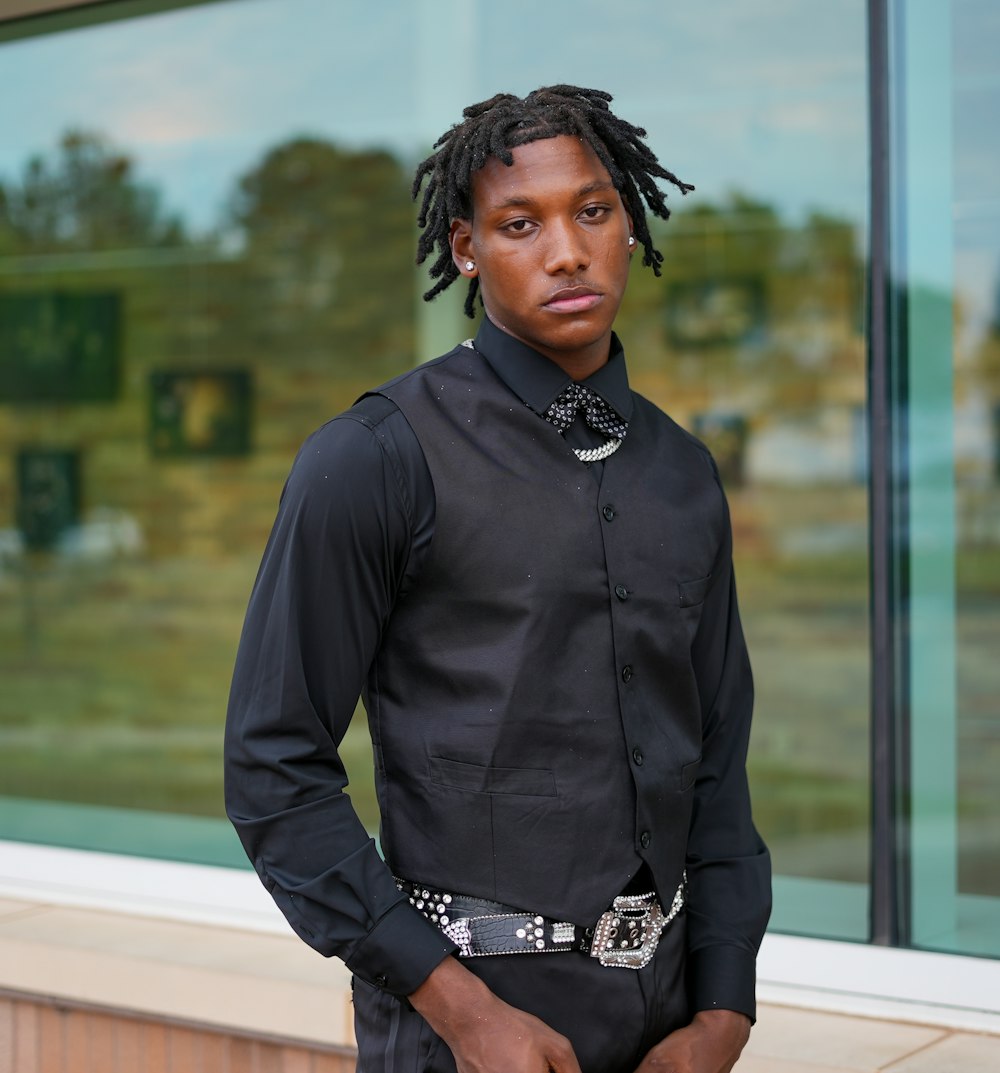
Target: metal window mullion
pixel 886 874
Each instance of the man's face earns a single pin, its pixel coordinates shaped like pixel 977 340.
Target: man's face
pixel 549 239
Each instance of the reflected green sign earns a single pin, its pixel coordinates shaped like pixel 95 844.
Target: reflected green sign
pixel 59 346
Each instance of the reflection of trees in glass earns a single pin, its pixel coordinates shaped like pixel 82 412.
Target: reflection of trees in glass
pixel 761 318
pixel 314 302
pixel 83 197
pixel 328 250
pixel 977 569
pixel 811 275
pixel 988 358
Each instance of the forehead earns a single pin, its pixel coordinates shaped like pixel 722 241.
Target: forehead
pixel 553 168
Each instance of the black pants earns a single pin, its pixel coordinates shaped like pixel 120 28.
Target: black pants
pixel 611 1016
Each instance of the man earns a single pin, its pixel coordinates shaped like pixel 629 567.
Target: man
pixel 526 570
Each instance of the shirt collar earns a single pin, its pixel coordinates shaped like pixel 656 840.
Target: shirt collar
pixel 537 381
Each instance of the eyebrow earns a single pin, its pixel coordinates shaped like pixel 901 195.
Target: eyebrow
pixel 514 201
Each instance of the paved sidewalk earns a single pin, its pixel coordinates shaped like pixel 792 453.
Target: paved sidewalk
pixel 787 1040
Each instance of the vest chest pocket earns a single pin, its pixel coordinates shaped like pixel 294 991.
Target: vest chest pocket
pixel 483 779
pixel 692 593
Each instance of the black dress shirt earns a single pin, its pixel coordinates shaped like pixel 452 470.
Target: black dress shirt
pixel 353 531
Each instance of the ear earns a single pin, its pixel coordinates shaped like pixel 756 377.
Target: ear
pixel 462 250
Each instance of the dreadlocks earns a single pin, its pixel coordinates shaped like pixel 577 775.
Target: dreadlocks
pixel 494 127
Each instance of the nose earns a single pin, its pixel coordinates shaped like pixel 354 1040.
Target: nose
pixel 566 250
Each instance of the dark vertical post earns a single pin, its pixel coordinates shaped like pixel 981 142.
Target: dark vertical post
pixel 883 566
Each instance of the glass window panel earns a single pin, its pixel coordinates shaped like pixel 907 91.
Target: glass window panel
pixel 210 205
pixel 947 88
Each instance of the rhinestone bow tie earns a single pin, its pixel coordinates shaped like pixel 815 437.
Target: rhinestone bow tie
pixel 598 414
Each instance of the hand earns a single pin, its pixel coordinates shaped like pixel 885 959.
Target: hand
pixel 485 1034
pixel 710 1044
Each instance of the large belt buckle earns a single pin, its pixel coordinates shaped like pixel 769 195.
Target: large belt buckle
pixel 626 935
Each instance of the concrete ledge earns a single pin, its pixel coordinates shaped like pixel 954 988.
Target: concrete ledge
pixel 273 985
pixel 946 990
pixel 248 981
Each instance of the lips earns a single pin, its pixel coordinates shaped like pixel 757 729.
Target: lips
pixel 573 300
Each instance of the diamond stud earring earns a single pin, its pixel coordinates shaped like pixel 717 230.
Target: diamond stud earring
pixel 470 265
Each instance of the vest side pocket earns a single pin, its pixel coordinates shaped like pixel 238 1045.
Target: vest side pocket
pixel 484 779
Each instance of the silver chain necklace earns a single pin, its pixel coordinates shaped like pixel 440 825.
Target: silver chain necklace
pixel 598 454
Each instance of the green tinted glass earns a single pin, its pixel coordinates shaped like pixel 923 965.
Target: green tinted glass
pixel 946 91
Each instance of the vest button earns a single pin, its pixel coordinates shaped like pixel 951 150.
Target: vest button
pixel 621 592
pixel 627 673
pixel 380 981
pixel 644 839
pixel 608 512
pixel 637 756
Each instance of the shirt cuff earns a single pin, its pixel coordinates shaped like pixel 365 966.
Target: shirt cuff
pixel 400 952
pixel 722 978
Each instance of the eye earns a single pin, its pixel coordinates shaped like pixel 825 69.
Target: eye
pixel 518 227
pixel 595 212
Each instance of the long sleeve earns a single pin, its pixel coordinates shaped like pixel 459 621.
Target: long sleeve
pixel 337 558
pixel 728 866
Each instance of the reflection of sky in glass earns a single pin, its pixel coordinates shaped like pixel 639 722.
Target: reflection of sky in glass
pixel 767 97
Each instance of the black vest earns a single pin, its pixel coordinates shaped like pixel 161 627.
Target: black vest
pixel 534 713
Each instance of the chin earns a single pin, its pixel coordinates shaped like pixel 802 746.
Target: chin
pixel 577 335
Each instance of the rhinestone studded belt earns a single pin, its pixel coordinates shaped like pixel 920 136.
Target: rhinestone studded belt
pixel 624 937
